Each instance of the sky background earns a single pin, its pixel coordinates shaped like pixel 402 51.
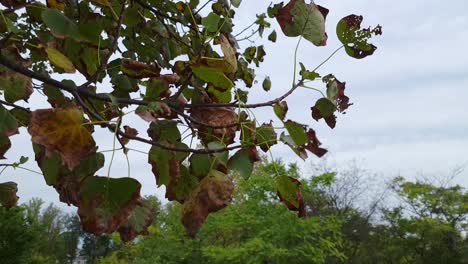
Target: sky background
pixel 410 115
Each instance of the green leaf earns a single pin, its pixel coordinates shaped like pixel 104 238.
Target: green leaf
pixel 221 157
pixel 8 196
pixel 161 161
pixel 60 60
pixel 211 22
pixel 287 189
pixel 272 37
pixel 16 86
pixel 236 3
pixel 266 136
pixel 300 19
pixel 281 109
pixel 214 76
pixel 8 124
pixel 21 116
pixel 297 132
pixel 354 38
pixel 200 164
pixel 266 84
pixel 60 24
pixel 241 163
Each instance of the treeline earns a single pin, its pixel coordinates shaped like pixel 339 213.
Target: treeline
pixel 403 222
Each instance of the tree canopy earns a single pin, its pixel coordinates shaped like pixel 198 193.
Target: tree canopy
pixel 179 67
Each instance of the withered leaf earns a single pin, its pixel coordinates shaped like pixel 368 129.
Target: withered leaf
pixel 62 130
pixel 354 38
pixel 137 223
pixel 212 194
pixel 289 192
pixel 8 196
pixel 106 203
pixel 298 18
pixel 215 116
pixel 139 70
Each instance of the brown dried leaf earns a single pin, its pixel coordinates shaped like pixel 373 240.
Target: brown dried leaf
pixel 215 116
pixel 212 194
pixel 130 131
pixel 137 69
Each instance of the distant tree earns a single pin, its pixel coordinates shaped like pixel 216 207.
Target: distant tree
pixel 18 239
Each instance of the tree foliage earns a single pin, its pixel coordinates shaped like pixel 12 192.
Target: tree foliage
pixel 174 64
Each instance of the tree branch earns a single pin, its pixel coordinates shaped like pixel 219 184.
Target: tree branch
pixel 15 106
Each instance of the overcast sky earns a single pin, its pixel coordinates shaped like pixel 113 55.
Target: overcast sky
pixel 409 114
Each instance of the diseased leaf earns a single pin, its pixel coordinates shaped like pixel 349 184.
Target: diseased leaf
pixel 356 39
pixel 212 194
pixel 15 85
pixel 139 70
pixel 325 109
pixel 137 223
pixel 281 109
pixel 106 203
pixel 8 196
pixel 60 60
pixel 57 4
pixel 8 123
pixel 62 130
pixel 300 19
pixel 335 92
pixel 266 137
pixel 289 192
pixel 5 145
pixel 215 117
pixel 297 132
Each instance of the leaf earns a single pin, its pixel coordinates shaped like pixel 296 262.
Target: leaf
pixel 215 76
pixel 241 163
pixel 272 37
pixel 200 164
pixel 308 75
pixel 289 192
pixel 153 111
pixel 300 19
pixel 60 25
pixel 297 132
pixel 15 85
pixel 211 116
pixel 281 109
pixel 8 196
pixel 8 124
pixel 266 84
pixel 165 165
pixel 57 4
pixel 229 54
pixel 212 194
pixel 129 131
pixel 356 39
pixel 106 203
pixel 236 3
pixel 325 109
pixel 313 144
pixel 139 70
pixel 266 137
pixel 60 60
pixel 5 145
pixel 137 223
pixel 335 92
pixel 62 130
pixel 211 22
